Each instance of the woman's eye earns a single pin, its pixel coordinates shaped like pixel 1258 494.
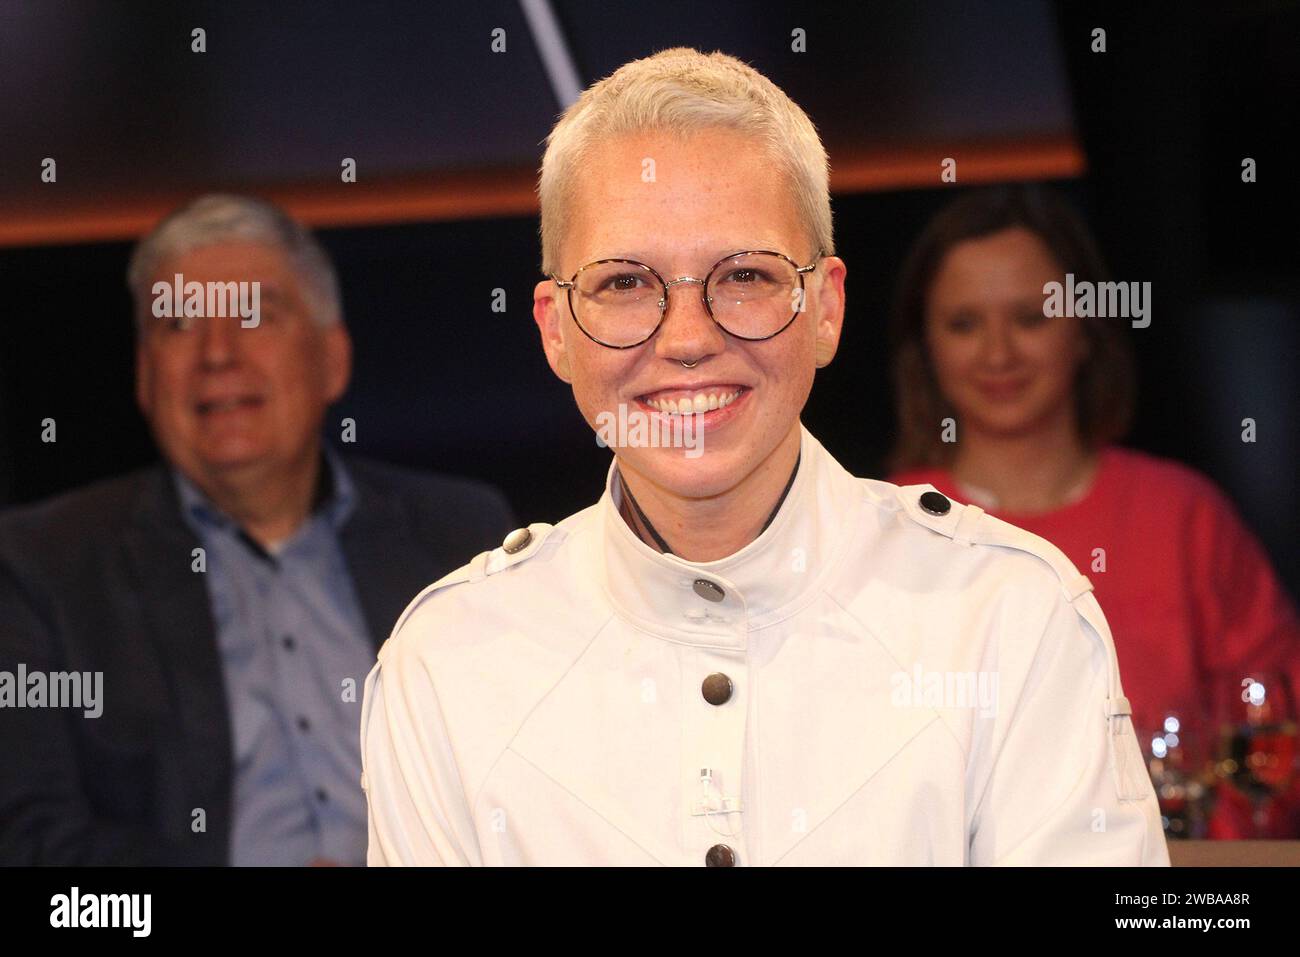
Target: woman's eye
pixel 747 277
pixel 624 283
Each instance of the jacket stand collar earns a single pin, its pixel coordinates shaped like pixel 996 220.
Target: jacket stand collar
pixel 718 603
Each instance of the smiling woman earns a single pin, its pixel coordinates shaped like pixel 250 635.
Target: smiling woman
pixel 720 190
pixel 676 673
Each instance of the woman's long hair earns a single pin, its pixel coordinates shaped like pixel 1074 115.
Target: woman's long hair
pixel 1106 384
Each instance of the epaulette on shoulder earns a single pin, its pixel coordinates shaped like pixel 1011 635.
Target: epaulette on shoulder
pixel 519 546
pixel 971 525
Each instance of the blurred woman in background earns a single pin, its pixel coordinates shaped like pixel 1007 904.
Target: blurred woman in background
pixel 1003 407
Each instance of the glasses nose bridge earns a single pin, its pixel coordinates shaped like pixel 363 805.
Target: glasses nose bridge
pixel 681 279
pixel 678 281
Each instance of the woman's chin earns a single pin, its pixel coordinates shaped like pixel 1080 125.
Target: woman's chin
pixel 683 472
pixel 1005 423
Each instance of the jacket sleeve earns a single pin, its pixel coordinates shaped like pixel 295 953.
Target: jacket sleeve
pixel 418 811
pixel 1064 781
pixel 45 814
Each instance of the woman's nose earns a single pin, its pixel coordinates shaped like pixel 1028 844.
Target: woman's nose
pixel 688 332
pixel 997 345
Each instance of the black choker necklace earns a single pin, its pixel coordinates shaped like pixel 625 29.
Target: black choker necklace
pixel 659 541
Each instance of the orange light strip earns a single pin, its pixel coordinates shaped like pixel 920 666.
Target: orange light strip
pixel 441 197
pixel 916 167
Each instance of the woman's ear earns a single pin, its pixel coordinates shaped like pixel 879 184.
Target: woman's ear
pixel 830 310
pixel 546 313
pixel 825 352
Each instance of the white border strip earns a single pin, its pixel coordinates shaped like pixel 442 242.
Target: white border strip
pixel 554 51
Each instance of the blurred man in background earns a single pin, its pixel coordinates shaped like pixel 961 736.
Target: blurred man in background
pixel 232 598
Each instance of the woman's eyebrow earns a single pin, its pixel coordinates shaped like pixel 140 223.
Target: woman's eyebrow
pixel 648 258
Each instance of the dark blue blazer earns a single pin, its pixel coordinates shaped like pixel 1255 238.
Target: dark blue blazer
pixel 100 580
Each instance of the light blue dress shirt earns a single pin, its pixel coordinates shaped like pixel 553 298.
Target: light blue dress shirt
pixel 295 650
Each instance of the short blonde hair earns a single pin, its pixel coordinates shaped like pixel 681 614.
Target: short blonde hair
pixel 682 91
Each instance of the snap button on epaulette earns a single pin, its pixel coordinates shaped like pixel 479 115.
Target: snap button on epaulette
pixel 935 503
pixel 517 541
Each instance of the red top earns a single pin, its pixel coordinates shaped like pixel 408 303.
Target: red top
pixel 1193 603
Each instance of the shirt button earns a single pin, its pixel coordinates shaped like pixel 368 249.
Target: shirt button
pixel 322 795
pixel 717 688
pixel 708 590
pixel 719 855
pixel 303 723
pixel 935 503
pixel 288 642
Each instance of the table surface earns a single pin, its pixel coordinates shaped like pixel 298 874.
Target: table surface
pixel 1234 853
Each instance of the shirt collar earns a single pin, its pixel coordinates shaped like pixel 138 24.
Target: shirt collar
pixel 334 498
pixel 720 603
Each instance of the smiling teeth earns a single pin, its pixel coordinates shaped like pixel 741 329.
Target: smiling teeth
pixel 701 402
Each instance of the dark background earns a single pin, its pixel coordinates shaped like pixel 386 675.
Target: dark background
pixel 1164 117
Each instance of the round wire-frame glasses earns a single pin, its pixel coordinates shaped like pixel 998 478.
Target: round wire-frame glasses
pixel 569 285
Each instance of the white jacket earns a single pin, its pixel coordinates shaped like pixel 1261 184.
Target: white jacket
pixel 901 687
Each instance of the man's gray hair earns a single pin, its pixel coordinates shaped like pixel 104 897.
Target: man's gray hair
pixel 221 218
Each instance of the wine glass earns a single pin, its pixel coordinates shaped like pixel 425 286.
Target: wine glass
pixel 1258 793
pixel 1179 772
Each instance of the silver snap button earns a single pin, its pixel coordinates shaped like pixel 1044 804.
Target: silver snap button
pixel 708 590
pixel 517 541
